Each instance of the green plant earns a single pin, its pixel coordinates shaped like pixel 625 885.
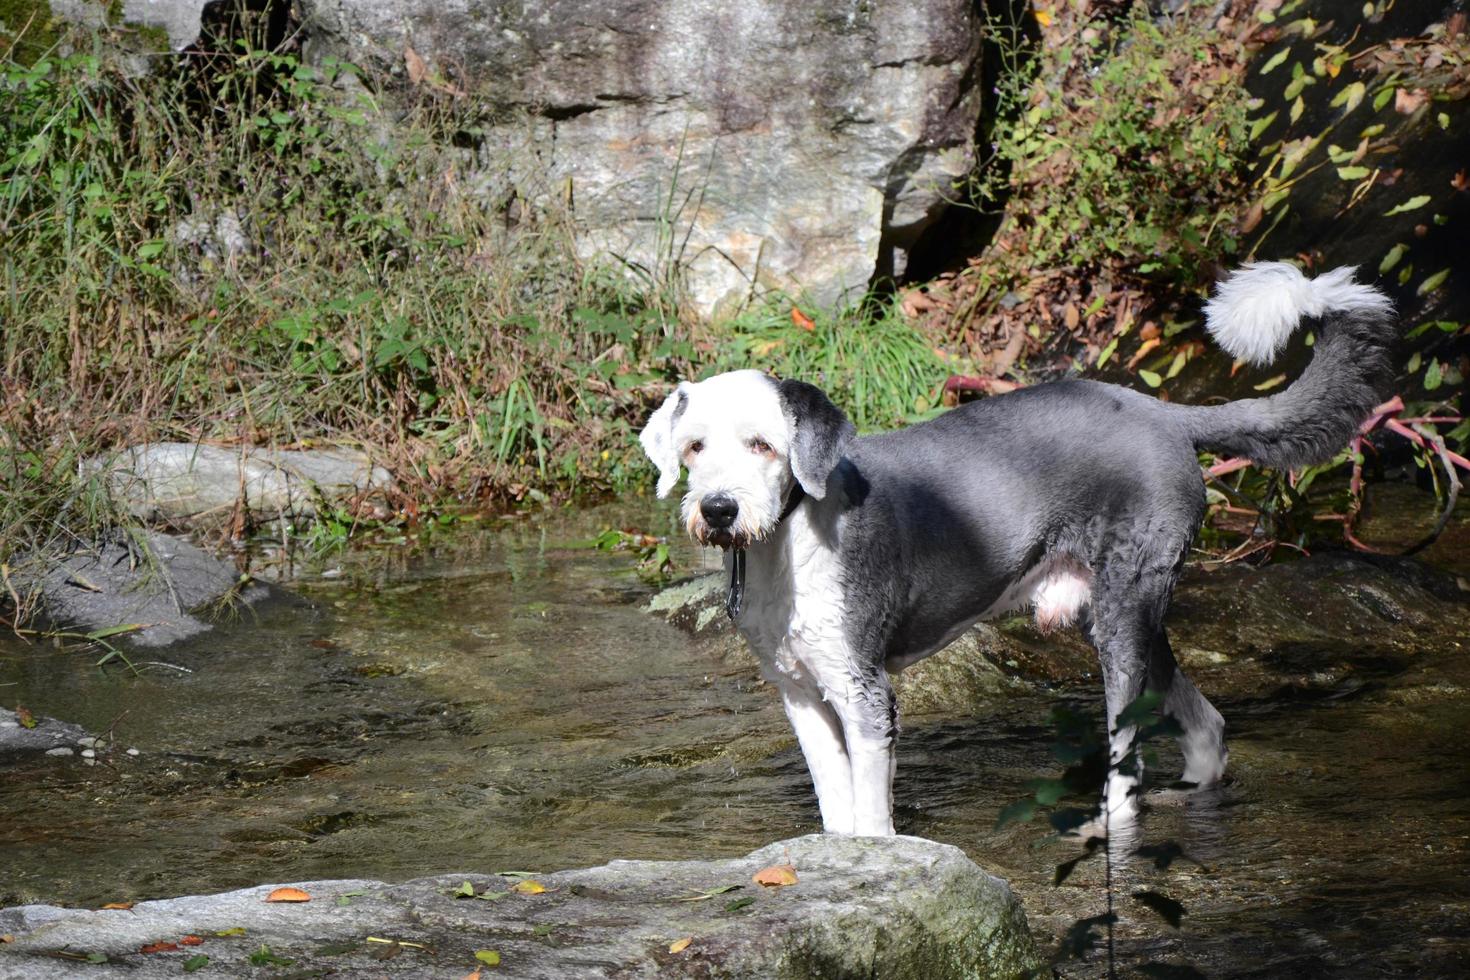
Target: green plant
pixel 878 367
pixel 652 553
pixel 1085 757
pixel 287 268
pixel 1142 164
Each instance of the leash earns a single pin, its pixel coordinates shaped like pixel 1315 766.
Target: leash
pixel 735 597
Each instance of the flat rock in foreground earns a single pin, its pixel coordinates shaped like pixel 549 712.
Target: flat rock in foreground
pixel 885 907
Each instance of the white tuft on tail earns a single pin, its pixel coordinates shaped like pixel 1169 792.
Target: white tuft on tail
pixel 1255 311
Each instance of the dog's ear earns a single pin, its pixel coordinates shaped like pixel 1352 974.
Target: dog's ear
pixel 819 434
pixel 657 438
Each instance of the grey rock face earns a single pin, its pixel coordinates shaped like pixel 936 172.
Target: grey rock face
pixel 179 18
pixel 896 908
pixel 182 481
pixel 762 145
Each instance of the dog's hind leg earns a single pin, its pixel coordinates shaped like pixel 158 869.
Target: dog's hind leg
pixel 1125 625
pixel 820 733
pixel 1203 737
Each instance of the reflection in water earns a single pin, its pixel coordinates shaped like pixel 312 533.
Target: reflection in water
pixel 508 705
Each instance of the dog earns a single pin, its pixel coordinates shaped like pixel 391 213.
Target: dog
pixel 852 557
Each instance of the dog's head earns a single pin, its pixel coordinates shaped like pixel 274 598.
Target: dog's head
pixel 745 439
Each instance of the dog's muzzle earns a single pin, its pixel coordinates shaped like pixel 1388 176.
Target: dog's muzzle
pixel 719 511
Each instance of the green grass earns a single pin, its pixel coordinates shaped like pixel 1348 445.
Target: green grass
pixel 262 253
pixel 873 363
pixel 277 270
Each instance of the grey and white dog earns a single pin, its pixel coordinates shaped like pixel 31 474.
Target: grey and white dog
pixel 862 555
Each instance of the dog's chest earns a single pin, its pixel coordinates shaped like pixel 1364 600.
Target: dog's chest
pixel 793 614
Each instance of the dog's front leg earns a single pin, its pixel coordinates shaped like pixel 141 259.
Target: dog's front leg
pixel 873 761
pixel 819 731
pixel 870 727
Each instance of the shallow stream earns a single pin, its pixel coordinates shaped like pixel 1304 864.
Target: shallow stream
pixel 503 702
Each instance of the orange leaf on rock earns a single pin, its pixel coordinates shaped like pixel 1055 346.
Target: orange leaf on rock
pixel 679 945
pixel 775 876
pixel 288 895
pixel 528 887
pixel 191 941
pixel 122 906
pixel 802 320
pixel 159 948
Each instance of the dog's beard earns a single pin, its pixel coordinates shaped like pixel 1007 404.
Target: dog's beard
pixel 742 534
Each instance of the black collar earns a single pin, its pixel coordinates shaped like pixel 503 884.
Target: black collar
pixel 735 598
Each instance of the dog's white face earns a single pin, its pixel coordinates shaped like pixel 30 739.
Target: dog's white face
pixel 733 435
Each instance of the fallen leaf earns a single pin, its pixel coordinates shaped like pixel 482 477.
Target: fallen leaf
pixel 196 962
pixel 288 895
pixel 1460 181
pixel 417 70
pixel 159 948
pixel 7 938
pixel 25 717
pixel 528 887
pixel 472 976
pixel 235 931
pixel 679 945
pixel 487 956
pixel 705 896
pixel 1270 383
pixel 191 941
pixel 1409 101
pixel 121 906
pixel 802 320
pixel 1043 18
pixel 1143 351
pixel 1071 316
pixel 775 876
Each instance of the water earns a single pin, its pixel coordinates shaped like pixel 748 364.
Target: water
pixel 503 703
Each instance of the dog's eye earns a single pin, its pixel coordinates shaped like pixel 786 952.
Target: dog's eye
pixel 694 447
pixel 760 446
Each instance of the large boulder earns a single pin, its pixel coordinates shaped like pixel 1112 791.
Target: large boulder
pixel 899 907
pixel 801 147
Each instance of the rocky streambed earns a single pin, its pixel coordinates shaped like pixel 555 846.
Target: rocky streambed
pixel 506 701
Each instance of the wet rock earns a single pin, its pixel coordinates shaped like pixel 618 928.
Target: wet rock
pixel 165 584
pixel 1328 624
pixel 184 481
pixel 801 147
pixel 49 735
pixel 892 907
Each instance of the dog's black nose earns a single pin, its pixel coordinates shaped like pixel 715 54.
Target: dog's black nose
pixel 719 510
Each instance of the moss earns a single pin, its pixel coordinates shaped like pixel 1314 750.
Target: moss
pixel 28 29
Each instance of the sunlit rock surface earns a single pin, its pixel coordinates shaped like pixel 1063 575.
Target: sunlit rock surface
pixel 763 145
pixel 896 908
pixel 185 481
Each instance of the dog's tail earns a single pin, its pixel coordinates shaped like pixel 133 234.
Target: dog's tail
pixel 1252 315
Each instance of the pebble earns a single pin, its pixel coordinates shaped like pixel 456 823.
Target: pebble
pixel 92 742
pixel 9 724
pixel 133 752
pixel 89 753
pixel 59 750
